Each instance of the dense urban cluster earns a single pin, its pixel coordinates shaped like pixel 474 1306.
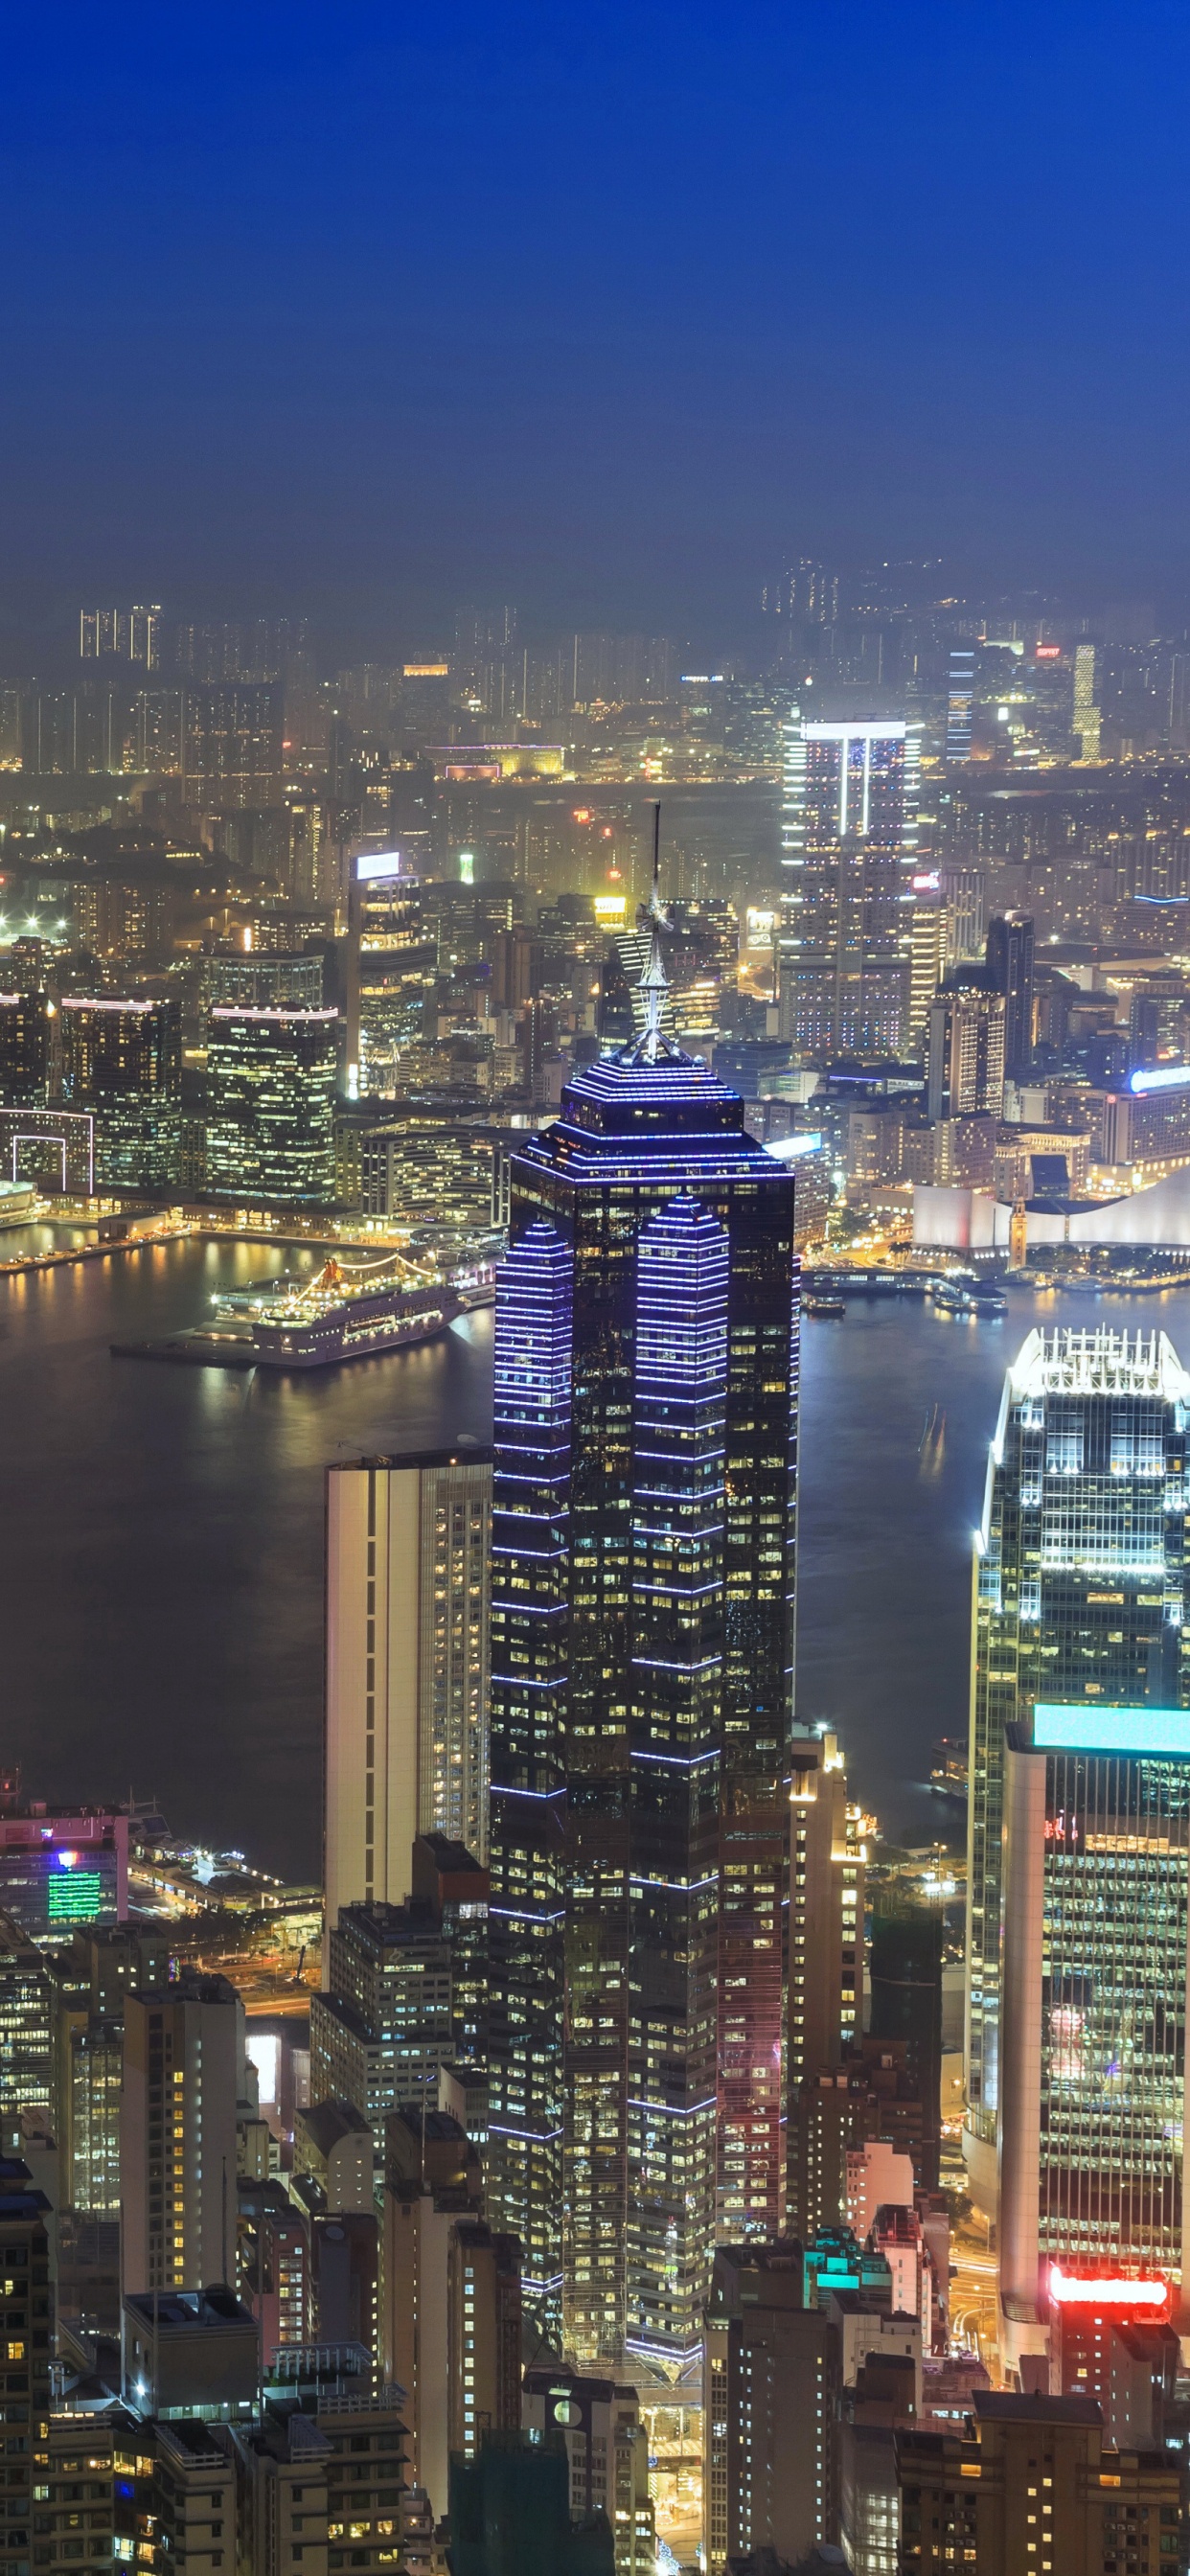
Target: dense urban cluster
pixel 623 2160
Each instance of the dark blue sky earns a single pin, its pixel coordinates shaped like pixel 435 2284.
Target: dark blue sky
pixel 373 308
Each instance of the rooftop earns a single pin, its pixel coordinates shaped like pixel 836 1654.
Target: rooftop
pixel 1074 1360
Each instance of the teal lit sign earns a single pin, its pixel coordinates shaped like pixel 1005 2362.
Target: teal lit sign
pixel 1064 1726
pixel 75 1897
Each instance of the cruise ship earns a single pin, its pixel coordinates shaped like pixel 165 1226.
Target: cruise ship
pixel 353 1309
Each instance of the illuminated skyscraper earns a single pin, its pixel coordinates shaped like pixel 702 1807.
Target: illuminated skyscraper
pixel 1081 1597
pixel 965 1047
pixel 1095 1910
pixel 24 1049
pixel 392 961
pixel 960 703
pixel 1086 706
pixel 642 1646
pixel 1010 965
pixel 122 1060
pixel 271 1079
pixel 849 837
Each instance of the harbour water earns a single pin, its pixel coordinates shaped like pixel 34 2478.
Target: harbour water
pixel 161 1534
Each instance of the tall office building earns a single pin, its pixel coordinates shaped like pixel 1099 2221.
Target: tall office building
pixel 184 2074
pixel 1081 1596
pixel 392 963
pixel 271 1084
pixel 263 979
pixel 122 1061
pixel 965 1048
pixel 1093 2096
pixel 960 703
pixel 1087 718
pixel 642 1647
pixel 1010 965
pixel 24 1049
pixel 963 894
pixel 849 835
pixel 407 1589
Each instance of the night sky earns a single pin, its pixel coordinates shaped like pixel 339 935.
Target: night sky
pixel 369 309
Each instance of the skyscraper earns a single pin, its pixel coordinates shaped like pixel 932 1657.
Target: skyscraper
pixel 1095 1910
pixel 1081 1595
pixel 407 1666
pixel 642 1645
pixel 1010 965
pixel 24 1049
pixel 183 2076
pixel 1086 706
pixel 271 1077
pixel 960 703
pixel 122 1060
pixel 965 1047
pixel 849 837
pixel 392 961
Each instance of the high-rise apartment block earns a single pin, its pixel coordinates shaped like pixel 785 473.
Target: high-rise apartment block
pixel 1081 1599
pixel 850 838
pixel 451 2321
pixel 608 2449
pixel 271 1087
pixel 122 1061
pixel 772 2382
pixel 27 2341
pixel 183 2079
pixel 826 1909
pixel 408 1542
pixel 1033 2486
pixel 642 1646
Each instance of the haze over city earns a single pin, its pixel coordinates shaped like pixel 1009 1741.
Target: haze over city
pixel 595 1293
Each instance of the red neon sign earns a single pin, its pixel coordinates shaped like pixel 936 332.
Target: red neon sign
pixel 1085 2290
pixel 1048 652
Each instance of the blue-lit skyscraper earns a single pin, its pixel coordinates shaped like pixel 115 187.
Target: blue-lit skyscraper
pixel 641 1695
pixel 1082 1597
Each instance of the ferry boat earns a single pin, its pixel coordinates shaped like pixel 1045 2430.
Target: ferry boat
pixel 969 1297
pixel 352 1310
pixel 823 1302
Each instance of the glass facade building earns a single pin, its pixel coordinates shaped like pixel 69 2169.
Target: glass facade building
pixel 24 1049
pixel 1081 1598
pixel 849 844
pixel 1093 2112
pixel 641 1696
pixel 122 1061
pixel 271 1084
pixel 392 967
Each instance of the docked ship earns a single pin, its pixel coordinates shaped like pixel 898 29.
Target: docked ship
pixel 353 1309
